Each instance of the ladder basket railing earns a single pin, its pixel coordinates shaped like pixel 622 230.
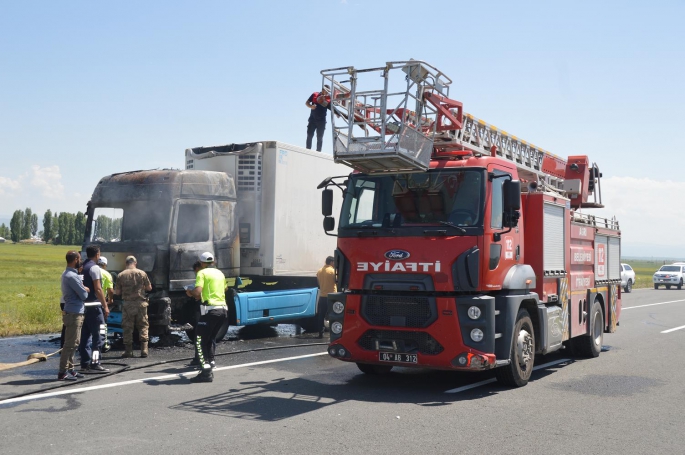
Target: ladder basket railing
pixel 389 128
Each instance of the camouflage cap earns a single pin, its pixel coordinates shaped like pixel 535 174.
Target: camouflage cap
pixel 130 259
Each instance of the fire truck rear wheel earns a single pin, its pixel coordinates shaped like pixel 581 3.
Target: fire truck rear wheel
pixel 374 369
pixel 590 345
pixel 522 354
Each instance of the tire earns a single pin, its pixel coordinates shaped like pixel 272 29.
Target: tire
pixel 310 325
pixel 367 368
pixel 680 285
pixel 668 286
pixel 656 286
pixel 629 287
pixel 589 346
pixel 522 354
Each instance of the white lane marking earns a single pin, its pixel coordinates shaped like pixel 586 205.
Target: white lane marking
pixel 650 304
pixel 156 378
pixel 674 329
pixel 488 381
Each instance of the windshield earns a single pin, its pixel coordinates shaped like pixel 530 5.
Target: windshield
pixel 670 268
pixel 421 199
pixel 135 221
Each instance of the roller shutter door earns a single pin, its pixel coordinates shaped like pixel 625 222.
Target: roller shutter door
pixel 614 258
pixel 554 254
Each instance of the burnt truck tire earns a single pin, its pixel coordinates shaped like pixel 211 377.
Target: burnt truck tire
pixel 310 325
pixel 590 345
pixel 522 354
pixel 629 287
pixel 368 368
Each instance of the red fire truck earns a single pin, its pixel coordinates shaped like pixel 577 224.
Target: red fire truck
pixel 460 246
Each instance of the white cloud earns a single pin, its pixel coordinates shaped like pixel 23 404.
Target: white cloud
pixel 9 186
pixel 649 214
pixel 48 180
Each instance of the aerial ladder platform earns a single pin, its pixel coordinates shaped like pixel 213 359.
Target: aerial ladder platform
pixel 400 124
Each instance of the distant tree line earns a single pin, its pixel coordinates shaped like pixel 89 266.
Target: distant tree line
pixel 61 229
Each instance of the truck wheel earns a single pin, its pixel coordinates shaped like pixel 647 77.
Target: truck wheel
pixel 310 325
pixel 591 345
pixel 680 285
pixel 374 369
pixel 656 286
pixel 522 354
pixel 629 286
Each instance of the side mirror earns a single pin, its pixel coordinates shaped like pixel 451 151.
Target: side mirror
pixel 328 224
pixel 511 190
pixel 327 203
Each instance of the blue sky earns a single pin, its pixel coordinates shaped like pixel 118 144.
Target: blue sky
pixel 92 88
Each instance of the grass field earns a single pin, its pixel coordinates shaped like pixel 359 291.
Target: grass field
pixel 30 288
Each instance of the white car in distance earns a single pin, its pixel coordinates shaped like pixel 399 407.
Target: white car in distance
pixel 669 275
pixel 627 278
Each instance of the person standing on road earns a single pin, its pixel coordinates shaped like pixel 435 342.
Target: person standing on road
pixel 195 309
pixel 326 278
pixel 131 285
pixel 108 289
pixel 210 287
pixel 319 103
pixel 93 331
pixel 73 295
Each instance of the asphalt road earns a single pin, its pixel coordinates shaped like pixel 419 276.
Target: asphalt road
pixel 630 400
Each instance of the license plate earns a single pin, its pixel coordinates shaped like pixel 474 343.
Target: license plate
pixel 397 358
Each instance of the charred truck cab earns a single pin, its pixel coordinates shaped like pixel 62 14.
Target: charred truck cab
pixel 166 219
pixel 444 261
pixel 253 205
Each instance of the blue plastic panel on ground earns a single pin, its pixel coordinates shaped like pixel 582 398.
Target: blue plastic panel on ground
pixel 273 306
pixel 114 322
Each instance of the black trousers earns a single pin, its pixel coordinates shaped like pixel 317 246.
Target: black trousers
pixel 321 310
pixel 319 126
pixel 205 334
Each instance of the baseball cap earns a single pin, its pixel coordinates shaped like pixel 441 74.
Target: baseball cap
pixel 207 257
pixel 102 260
pixel 130 259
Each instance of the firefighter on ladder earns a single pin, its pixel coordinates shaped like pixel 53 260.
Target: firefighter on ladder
pixel 319 103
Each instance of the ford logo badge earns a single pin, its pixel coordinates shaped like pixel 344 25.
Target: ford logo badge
pixel 397 255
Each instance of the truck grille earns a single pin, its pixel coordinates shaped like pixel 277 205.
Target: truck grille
pixel 406 342
pixel 398 311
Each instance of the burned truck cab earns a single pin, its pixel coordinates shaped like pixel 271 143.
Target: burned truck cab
pixel 166 219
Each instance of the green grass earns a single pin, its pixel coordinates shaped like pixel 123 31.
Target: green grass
pixel 30 288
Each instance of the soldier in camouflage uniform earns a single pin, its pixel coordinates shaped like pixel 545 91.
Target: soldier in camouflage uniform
pixel 131 285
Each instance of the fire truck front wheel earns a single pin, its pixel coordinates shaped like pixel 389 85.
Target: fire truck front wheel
pixel 374 369
pixel 522 354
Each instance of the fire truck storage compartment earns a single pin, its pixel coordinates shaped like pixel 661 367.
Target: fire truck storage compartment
pixel 554 251
pixel 607 258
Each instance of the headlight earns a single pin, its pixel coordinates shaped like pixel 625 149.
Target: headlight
pixel 476 335
pixel 474 312
pixel 338 307
pixel 336 328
